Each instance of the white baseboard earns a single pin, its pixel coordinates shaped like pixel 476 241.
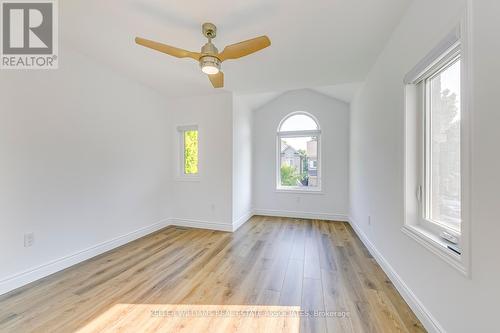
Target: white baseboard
pixel 242 220
pixel 18 280
pixel 302 215
pixel 201 224
pixel 426 318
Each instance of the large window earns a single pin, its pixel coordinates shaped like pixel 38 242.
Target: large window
pixel 188 139
pixel 298 153
pixel 442 146
pixel 435 182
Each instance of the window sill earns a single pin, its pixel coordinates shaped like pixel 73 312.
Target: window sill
pixel 436 245
pixel 187 179
pixel 298 190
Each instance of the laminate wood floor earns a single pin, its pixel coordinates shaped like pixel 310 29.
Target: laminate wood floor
pixel 272 275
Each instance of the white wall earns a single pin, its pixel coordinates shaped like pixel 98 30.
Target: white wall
pixel 242 162
pixel 333 117
pixel 206 202
pixel 458 304
pixel 83 160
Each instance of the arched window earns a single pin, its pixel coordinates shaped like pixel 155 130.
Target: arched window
pixel 298 153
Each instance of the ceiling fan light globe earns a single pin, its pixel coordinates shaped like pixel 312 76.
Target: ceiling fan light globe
pixel 210 65
pixel 209 69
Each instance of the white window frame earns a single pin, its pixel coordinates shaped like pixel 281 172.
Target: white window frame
pixel 450 58
pixel 180 174
pixel 295 134
pixel 415 225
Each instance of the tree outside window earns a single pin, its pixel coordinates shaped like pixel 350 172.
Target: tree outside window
pixel 191 152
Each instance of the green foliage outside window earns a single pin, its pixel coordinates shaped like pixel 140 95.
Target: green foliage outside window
pixel 289 175
pixel 190 152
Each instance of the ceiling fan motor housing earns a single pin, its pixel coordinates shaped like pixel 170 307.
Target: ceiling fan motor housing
pixel 209 56
pixel 209 49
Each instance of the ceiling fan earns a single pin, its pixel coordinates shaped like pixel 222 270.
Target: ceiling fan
pixel 209 58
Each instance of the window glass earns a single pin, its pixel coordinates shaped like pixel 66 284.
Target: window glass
pixel 190 152
pixel 298 158
pixel 443 156
pixel 298 122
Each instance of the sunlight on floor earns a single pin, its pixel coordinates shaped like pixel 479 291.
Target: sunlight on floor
pixel 196 318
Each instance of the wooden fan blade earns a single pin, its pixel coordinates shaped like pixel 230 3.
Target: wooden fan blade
pixel 217 80
pixel 170 50
pixel 244 48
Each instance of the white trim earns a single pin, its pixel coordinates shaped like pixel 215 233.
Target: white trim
pixel 423 314
pixel 302 215
pixel 200 224
pixel 187 178
pixel 242 220
pixel 300 133
pixel 433 56
pixel 436 245
pixel 184 128
pixel 467 119
pixel 300 190
pixel 18 280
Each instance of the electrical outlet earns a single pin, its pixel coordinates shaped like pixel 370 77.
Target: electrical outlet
pixel 29 239
pixel 369 220
pixel 212 207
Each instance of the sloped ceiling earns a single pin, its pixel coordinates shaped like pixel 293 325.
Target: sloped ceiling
pixel 314 43
pixel 342 92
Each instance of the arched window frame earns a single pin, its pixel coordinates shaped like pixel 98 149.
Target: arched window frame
pixel 294 134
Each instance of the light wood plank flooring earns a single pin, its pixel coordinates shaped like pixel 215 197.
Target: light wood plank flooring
pixel 272 275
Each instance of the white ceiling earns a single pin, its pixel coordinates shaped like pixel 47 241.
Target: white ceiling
pixel 342 92
pixel 314 43
pixel 256 100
